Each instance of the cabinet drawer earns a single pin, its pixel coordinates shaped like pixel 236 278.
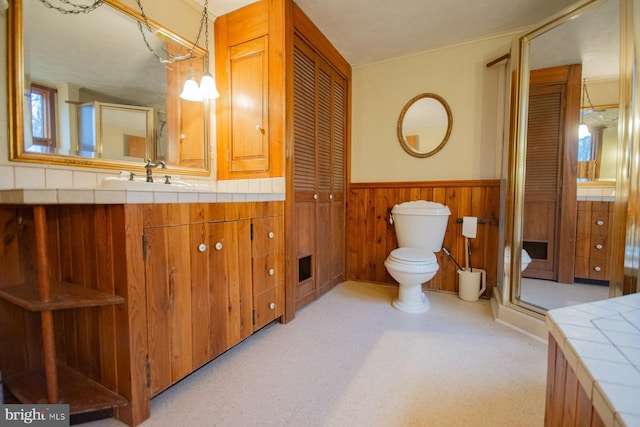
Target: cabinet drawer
pixel 598 269
pixel 599 223
pixel 598 247
pixel 267 235
pixel 268 306
pixel 581 267
pixel 268 271
pixel 583 245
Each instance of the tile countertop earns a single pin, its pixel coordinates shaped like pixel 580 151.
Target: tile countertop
pixel 601 342
pixel 111 196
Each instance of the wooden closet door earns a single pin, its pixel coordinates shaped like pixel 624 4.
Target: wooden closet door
pixel 550 175
pixel 324 174
pixel 304 175
pixel 542 183
pixel 338 162
pixel 319 173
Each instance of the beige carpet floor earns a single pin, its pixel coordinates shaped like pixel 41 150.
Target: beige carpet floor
pixel 350 359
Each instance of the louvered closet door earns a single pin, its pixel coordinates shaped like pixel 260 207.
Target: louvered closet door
pixel 319 182
pixel 542 180
pixel 339 137
pixel 324 169
pixel 304 155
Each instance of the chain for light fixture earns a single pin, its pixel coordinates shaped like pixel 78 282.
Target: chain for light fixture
pixel 75 7
pixel 169 58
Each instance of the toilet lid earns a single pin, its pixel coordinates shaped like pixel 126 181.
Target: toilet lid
pixel 413 255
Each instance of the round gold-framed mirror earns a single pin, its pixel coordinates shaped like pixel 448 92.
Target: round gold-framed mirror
pixel 424 125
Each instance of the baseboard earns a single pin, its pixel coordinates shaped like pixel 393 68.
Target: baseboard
pixel 517 320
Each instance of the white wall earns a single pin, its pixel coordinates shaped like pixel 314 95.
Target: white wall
pixel 458 74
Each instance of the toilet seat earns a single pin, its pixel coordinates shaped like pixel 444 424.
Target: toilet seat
pixel 412 256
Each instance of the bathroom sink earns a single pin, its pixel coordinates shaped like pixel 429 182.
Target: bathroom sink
pixel 124 183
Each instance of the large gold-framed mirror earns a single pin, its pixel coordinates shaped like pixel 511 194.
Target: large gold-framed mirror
pixel 89 90
pixel 582 42
pixel 424 125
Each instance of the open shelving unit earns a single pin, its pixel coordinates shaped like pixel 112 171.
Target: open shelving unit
pixel 63 384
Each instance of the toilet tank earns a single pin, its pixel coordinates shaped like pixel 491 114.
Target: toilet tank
pixel 420 224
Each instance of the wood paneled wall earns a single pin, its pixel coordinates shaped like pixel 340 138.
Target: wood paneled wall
pixel 371 237
pixel 567 403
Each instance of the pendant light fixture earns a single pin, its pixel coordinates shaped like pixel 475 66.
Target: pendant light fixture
pixel 208 88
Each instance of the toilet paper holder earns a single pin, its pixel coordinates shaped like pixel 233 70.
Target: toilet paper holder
pixel 480 221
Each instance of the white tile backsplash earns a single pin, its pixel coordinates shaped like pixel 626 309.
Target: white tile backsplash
pixel 26 177
pixel 57 178
pixel 6 177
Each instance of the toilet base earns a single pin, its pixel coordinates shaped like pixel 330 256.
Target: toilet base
pixel 411 300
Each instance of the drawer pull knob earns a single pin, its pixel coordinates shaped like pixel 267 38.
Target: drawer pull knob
pixel 597 268
pixel 272 272
pixel 600 222
pixel 598 246
pixel 218 246
pixel 272 306
pixel 271 235
pixel 330 196
pixel 202 247
pixel 315 197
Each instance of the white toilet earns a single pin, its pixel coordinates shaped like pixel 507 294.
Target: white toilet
pixel 420 228
pixel 525 260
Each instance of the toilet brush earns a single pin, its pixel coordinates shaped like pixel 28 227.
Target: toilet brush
pixel 452 258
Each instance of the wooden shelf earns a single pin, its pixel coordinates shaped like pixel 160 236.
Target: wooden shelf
pixel 63 296
pixel 79 392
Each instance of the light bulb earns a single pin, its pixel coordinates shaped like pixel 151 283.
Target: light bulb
pixel 208 87
pixel 191 91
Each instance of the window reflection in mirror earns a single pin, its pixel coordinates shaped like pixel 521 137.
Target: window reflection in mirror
pixel 70 67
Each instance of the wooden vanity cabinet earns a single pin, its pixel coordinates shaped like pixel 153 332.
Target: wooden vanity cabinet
pixel 592 240
pixel 159 290
pixel 198 281
pixel 213 277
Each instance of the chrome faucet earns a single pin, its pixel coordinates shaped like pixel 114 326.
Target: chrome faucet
pixel 149 167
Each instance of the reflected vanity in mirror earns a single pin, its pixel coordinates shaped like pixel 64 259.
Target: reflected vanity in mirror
pixel 89 90
pixel 424 125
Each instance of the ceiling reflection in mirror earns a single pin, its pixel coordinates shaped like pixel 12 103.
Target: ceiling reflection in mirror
pixel 96 94
pixel 424 125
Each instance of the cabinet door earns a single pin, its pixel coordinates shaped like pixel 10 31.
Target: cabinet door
pixel 168 281
pixel 230 293
pixel 249 139
pixel 199 295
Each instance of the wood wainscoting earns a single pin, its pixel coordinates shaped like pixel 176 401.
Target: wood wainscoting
pixel 371 237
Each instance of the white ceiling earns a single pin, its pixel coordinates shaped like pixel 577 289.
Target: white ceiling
pixel 366 31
